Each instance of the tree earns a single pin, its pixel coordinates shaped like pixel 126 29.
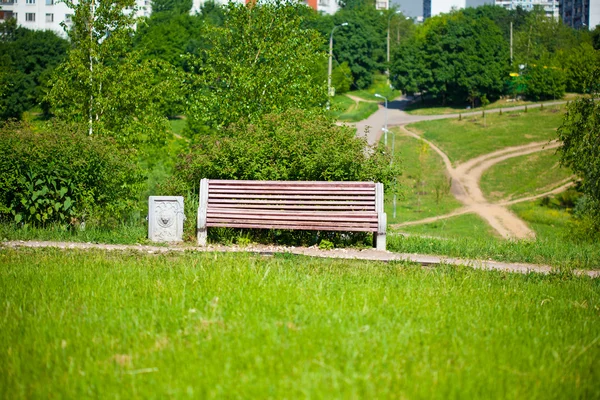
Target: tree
pixel 27 58
pixel 544 82
pixel 107 85
pixel 579 64
pixel 260 61
pixel 453 57
pixel 580 150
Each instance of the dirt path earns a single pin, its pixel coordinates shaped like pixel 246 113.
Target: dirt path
pixel 351 254
pixel 466 188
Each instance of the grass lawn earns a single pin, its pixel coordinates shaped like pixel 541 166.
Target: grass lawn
pixel 548 222
pixel 380 86
pixel 107 325
pixel 524 176
pixel 460 226
pixel 430 107
pixel 558 251
pixel 426 186
pixel 345 109
pixel 466 139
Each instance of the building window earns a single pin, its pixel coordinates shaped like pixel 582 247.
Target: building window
pixel 30 17
pixel 49 2
pixel 68 18
pixel 29 1
pixel 324 3
pixel 49 17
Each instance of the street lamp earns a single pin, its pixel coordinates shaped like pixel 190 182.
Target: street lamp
pixel 385 139
pixel 385 130
pixel 329 94
pixel 388 40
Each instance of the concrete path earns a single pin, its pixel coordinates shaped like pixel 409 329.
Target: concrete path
pixel 372 127
pixel 351 254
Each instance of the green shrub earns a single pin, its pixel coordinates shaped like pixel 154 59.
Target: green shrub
pixel 59 174
pixel 545 82
pixel 296 145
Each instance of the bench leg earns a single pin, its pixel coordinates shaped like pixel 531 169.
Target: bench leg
pixel 379 241
pixel 379 236
pixel 202 209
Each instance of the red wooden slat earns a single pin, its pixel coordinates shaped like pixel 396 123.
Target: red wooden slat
pixel 294 227
pixel 332 207
pixel 308 191
pixel 288 197
pixel 292 218
pixel 288 201
pixel 231 183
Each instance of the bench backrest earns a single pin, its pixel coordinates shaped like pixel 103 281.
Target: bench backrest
pixel 341 206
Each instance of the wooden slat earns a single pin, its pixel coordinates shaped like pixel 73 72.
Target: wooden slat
pixel 332 207
pixel 328 184
pixel 288 197
pixel 294 227
pixel 307 191
pixel 288 201
pixel 292 218
pixel 323 214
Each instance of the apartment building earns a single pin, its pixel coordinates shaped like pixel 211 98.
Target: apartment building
pixel 551 7
pixel 48 14
pixel 580 13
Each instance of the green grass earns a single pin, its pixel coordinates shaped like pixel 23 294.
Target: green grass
pixel 425 185
pixel 466 139
pixel 124 325
pixel 557 251
pixel 547 222
pixel 380 86
pixel 358 112
pixel 178 125
pixel 460 226
pixel 431 107
pixel 340 104
pixel 133 232
pixel 524 176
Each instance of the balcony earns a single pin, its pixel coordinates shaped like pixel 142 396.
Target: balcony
pixel 7 3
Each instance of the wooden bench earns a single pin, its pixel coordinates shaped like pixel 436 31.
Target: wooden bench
pixel 297 205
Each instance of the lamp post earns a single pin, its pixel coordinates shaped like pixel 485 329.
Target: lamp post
pixel 330 61
pixel 385 130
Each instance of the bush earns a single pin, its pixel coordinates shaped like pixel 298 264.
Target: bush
pixel 296 145
pixel 59 174
pixel 545 82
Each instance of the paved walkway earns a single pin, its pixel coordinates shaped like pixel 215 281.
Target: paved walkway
pixel 353 254
pixel 372 127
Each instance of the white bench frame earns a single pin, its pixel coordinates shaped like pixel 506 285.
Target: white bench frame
pixel 294 205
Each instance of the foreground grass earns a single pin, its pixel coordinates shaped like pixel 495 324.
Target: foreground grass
pixel 426 187
pixel 469 138
pixel 524 176
pixel 92 324
pixel 460 226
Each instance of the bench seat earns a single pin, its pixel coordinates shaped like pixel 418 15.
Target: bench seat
pixel 293 205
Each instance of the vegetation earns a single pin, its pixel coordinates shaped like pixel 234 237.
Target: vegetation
pixel 296 145
pixel 425 185
pixel 261 61
pixel 466 226
pixel 580 135
pixel 468 138
pixel 60 175
pixel 524 176
pixel 107 86
pixel 27 59
pixel 183 325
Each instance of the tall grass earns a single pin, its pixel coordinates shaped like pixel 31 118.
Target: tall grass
pixel 120 325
